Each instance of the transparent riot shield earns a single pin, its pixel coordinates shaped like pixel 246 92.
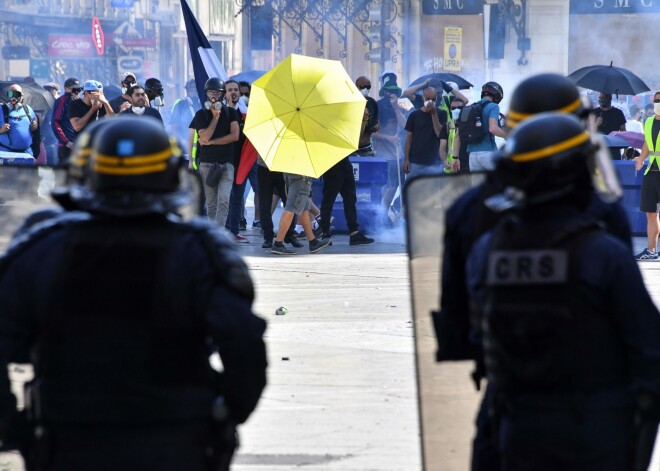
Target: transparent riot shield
pixel 448 401
pixel 26 189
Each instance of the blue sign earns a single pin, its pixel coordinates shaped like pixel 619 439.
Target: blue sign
pixel 122 3
pixel 589 7
pixel 452 7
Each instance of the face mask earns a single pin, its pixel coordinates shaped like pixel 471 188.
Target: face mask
pixel 455 113
pixel 138 110
pixel 364 92
pixel 604 102
pixel 656 108
pixel 158 102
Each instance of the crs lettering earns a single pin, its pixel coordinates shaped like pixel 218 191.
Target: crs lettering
pixel 527 267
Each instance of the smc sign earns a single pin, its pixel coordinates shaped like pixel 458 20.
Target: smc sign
pixel 97 36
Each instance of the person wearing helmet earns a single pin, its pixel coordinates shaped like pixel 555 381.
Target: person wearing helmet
pixel 218 130
pixel 481 153
pixel 468 218
pixel 126 302
pixel 123 102
pixel 567 353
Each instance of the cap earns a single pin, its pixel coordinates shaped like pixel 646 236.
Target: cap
pixel 52 86
pixel 92 86
pixel 71 82
pixel 128 74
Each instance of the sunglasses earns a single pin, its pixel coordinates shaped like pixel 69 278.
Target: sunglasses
pixel 76 89
pixel 368 87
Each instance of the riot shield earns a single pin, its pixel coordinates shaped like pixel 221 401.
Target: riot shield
pixel 26 189
pixel 448 401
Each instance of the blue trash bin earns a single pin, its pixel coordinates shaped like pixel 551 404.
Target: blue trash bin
pixel 631 182
pixel 370 177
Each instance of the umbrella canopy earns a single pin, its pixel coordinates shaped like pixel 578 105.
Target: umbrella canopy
pixel 248 76
pixel 445 77
pixel 614 141
pixel 305 115
pixel 609 79
pixel 634 139
pixel 34 95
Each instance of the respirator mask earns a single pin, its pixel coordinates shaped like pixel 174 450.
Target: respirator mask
pixel 214 100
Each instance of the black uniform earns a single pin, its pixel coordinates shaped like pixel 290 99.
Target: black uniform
pixel 119 315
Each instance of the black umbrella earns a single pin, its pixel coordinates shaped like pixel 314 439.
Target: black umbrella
pixel 609 79
pixel 445 77
pixel 34 95
pixel 111 91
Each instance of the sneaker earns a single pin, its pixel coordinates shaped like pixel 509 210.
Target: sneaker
pixel 268 244
pixel 280 249
pixel 316 245
pixel 646 254
pixel 240 239
pixel 299 235
pixel 256 225
pixel 359 239
pixel 326 237
pixel 242 226
pixel 318 231
pixel 293 241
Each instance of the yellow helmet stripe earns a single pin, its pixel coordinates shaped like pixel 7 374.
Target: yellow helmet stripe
pixel 134 160
pixel 551 150
pixel 515 116
pixel 130 170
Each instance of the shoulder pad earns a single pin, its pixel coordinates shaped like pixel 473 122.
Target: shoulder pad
pixel 36 227
pixel 226 260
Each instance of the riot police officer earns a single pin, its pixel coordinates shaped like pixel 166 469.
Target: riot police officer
pixel 468 218
pixel 119 303
pixel 566 351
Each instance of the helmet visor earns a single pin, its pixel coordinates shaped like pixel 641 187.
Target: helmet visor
pixel 603 174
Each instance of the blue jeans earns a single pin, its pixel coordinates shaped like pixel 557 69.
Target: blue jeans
pixel 421 169
pixel 237 200
pixel 217 197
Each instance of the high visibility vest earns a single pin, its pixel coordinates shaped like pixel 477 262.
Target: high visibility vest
pixel 451 136
pixel 654 150
pixel 193 157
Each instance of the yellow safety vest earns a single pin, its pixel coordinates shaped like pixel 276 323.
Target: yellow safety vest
pixel 193 157
pixel 648 138
pixel 451 135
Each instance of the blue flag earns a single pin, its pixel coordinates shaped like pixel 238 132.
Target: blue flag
pixel 205 62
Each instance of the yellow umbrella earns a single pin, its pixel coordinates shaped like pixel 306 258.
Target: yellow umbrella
pixel 304 115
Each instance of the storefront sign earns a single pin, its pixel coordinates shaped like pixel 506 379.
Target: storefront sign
pixel 453 43
pixel 98 36
pixel 589 7
pixel 73 46
pixel 453 7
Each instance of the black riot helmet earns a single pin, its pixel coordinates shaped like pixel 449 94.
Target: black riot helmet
pixel 547 157
pixel 78 168
pixel 494 90
pixel 153 88
pixel 214 83
pixel 133 155
pixel 544 93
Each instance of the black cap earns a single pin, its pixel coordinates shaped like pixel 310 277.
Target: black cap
pixel 71 82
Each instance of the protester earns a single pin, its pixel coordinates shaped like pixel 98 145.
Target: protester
pixel 91 107
pixel 422 156
pixel 123 101
pixel 60 123
pixel 139 104
pixel 18 124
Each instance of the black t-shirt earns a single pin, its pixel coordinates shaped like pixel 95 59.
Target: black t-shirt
pixel 116 103
pixel 654 136
pixel 224 153
pixel 612 120
pixel 78 109
pixel 425 143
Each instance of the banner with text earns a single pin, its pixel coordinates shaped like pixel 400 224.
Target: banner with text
pixel 589 7
pixel 452 7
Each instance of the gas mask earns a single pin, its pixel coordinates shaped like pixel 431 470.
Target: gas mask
pixel 214 101
pixel 14 96
pixel 158 101
pixel 138 110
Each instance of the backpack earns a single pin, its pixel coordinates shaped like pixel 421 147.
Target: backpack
pixel 472 127
pixel 36 135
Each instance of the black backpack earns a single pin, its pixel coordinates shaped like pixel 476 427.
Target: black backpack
pixel 472 128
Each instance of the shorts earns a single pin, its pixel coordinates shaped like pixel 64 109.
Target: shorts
pixel 650 193
pixel 298 190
